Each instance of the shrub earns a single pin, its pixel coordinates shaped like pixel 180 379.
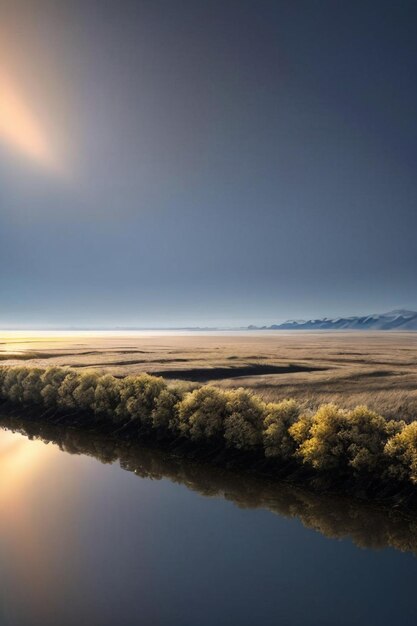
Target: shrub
pixel 369 433
pixel 351 443
pixel 12 387
pixel 3 374
pixel 107 395
pixel 22 385
pixel 300 430
pixel 279 418
pixel 51 381
pixel 84 392
pixel 244 422
pixel 32 386
pixel 165 415
pixel 401 452
pixel 138 395
pixel 66 390
pixel 202 413
pixel 337 439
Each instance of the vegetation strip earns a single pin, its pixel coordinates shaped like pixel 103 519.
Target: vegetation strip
pixel 357 450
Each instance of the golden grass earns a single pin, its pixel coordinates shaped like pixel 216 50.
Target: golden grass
pixel 376 368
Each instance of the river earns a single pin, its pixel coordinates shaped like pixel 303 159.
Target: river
pixel 91 534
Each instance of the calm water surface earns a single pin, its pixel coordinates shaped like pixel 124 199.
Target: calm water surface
pixel 82 542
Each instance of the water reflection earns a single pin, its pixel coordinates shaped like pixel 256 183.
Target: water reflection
pixel 27 571
pixel 335 517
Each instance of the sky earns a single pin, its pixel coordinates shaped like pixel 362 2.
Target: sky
pixel 170 163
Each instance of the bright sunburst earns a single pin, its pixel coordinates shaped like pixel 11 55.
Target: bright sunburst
pixel 19 127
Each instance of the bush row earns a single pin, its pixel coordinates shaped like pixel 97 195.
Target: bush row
pixel 353 444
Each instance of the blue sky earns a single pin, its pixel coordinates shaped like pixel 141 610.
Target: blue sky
pixel 174 163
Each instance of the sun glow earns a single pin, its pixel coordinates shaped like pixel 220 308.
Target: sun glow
pixel 20 129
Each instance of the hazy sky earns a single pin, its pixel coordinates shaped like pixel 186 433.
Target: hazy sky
pixel 168 162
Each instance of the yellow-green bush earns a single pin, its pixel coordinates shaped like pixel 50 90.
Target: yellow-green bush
pixel 51 381
pixel 369 433
pixel 32 386
pixel 66 390
pixel 336 439
pixel 138 395
pixel 243 426
pixel 107 395
pixel 165 414
pixel 84 392
pixel 12 386
pixel 347 443
pixel 202 413
pixel 280 416
pixel 401 451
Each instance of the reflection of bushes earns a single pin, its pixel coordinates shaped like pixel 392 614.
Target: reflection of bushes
pixel 333 516
pixel 355 447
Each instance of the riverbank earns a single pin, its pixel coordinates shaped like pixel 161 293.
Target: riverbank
pixel 377 369
pixel 357 452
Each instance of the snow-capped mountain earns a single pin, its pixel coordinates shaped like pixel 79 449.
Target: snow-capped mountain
pixel 400 319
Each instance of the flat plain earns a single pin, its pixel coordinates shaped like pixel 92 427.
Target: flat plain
pixel 378 369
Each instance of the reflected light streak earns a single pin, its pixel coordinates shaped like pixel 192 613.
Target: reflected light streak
pixel 18 460
pixel 23 464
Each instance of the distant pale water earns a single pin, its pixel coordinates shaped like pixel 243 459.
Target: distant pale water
pixel 87 543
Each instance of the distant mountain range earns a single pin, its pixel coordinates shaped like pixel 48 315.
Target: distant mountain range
pixel 400 319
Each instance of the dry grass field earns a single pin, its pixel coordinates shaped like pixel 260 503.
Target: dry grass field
pixel 377 368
